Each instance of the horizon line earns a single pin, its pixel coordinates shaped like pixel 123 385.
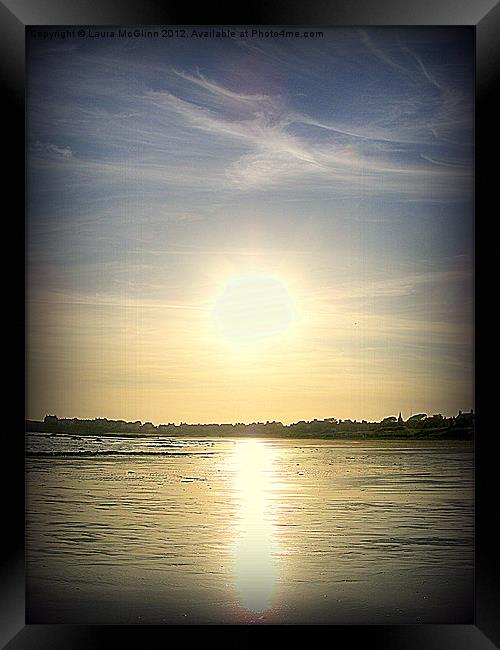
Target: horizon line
pixel 182 423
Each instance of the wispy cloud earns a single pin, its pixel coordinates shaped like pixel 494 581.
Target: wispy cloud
pixel 156 172
pixel 256 141
pixel 48 148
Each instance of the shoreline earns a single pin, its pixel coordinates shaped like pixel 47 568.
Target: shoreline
pixel 437 435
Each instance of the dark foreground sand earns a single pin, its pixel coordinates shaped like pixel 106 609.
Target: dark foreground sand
pixel 229 531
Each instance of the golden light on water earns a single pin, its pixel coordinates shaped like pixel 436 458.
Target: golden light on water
pixel 255 547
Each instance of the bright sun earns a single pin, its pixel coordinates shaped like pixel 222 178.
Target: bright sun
pixel 253 307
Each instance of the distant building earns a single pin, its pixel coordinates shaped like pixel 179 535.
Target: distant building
pixel 465 419
pixel 400 418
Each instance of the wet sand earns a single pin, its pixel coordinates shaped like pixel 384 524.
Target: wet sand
pixel 237 531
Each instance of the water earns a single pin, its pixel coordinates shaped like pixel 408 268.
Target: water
pixel 189 531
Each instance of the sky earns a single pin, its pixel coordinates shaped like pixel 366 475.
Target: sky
pixel 240 230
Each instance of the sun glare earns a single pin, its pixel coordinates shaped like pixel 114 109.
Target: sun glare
pixel 255 547
pixel 253 307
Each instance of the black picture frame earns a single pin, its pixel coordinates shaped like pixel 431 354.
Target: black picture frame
pixel 15 15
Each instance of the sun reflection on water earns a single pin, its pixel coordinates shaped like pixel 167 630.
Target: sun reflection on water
pixel 255 547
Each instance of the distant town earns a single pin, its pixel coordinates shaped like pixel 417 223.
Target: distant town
pixel 417 426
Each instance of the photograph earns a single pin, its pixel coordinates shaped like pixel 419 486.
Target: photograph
pixel 250 322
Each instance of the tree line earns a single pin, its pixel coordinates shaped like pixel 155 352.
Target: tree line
pixel 419 425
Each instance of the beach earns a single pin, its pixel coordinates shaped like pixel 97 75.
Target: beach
pixel 225 531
